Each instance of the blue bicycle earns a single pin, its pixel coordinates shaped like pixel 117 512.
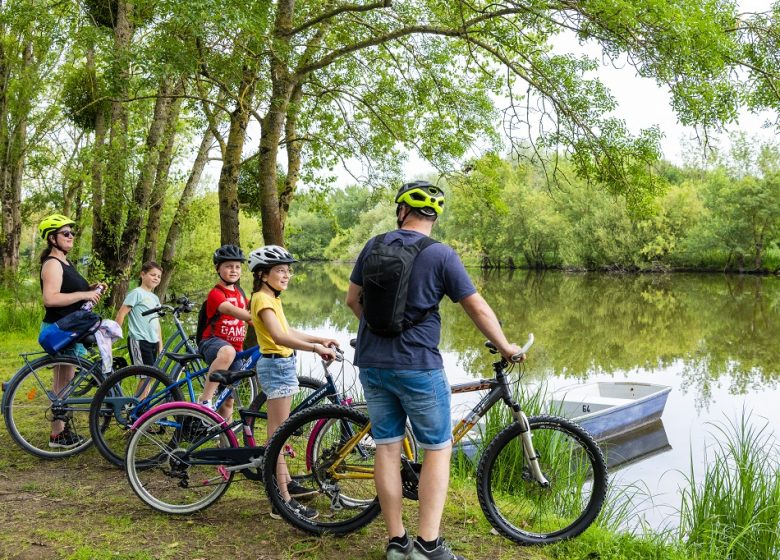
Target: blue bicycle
pixel 125 395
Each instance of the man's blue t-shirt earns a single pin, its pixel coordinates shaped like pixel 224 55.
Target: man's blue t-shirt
pixel 437 272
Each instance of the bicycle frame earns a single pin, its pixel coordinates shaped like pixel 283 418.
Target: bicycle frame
pixel 229 456
pixel 498 390
pixel 250 357
pixel 87 369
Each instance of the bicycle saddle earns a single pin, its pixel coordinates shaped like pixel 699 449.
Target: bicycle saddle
pixel 183 358
pixel 225 377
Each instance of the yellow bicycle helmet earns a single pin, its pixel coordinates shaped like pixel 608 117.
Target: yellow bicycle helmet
pixel 424 197
pixel 52 223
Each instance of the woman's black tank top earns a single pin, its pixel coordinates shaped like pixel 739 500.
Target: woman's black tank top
pixel 72 281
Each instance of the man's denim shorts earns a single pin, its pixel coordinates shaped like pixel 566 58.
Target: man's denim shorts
pixel 210 347
pixel 422 395
pixel 278 377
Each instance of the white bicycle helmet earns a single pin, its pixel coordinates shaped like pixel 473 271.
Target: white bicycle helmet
pixel 268 256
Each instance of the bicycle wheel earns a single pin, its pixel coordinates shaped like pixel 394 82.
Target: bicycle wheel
pixel 307 386
pixel 120 401
pixel 30 405
pixel 344 476
pixel 167 461
pixel 518 506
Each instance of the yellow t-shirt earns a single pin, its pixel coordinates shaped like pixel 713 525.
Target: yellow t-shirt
pixel 267 345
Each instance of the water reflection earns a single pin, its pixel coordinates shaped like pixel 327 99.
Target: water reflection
pixel 589 324
pixel 711 337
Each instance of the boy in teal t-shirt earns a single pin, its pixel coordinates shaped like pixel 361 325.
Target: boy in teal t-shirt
pixel 144 338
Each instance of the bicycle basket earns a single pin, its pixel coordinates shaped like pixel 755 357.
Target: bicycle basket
pixel 68 330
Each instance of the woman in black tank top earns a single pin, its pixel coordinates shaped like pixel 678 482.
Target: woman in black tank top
pixel 64 291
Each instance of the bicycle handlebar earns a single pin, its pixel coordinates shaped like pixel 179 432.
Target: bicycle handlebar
pixel 159 309
pixel 516 357
pixel 185 305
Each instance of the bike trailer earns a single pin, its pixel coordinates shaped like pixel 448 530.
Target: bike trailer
pixel 68 330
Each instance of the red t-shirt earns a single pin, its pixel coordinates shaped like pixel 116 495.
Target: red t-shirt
pixel 226 327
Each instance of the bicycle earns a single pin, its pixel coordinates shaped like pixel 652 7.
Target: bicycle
pixel 30 404
pixel 125 395
pixel 539 480
pixel 191 464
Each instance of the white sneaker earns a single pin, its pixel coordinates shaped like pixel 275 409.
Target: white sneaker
pixel 208 404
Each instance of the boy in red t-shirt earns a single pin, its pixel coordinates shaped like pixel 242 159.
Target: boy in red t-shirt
pixel 226 309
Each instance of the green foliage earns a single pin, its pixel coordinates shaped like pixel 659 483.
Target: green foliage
pixel 83 97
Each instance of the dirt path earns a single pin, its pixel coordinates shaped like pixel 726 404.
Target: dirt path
pixel 80 508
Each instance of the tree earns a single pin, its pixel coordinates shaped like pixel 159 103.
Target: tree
pixel 29 51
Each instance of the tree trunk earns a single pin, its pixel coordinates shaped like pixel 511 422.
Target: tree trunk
pixel 157 201
pixel 282 87
pixel 169 250
pixel 231 161
pixel 108 231
pixel 294 146
pixel 270 136
pixel 13 142
pixel 138 207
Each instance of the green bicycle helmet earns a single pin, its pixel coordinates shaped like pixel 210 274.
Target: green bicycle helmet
pixel 52 223
pixel 422 196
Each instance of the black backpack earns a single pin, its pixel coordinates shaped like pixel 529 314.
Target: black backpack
pixel 386 272
pixel 204 320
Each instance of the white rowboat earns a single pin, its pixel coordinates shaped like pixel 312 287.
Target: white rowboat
pixel 608 408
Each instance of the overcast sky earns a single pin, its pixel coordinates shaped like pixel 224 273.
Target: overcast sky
pixel 642 103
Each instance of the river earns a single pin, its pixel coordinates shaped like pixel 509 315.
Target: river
pixel 712 338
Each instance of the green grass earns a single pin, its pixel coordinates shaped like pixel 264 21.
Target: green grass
pixel 733 510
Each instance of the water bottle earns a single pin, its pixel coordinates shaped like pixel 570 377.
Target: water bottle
pixel 89 305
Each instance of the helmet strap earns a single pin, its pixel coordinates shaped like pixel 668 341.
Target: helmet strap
pixel 54 242
pixel 399 220
pixel 276 292
pixel 227 283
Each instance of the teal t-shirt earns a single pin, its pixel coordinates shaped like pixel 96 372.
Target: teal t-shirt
pixel 140 327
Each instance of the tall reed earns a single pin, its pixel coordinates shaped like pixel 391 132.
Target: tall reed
pixel 733 511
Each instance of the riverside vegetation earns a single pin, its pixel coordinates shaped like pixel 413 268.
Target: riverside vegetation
pixel 732 511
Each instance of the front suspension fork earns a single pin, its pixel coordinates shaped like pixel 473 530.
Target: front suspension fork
pixel 526 440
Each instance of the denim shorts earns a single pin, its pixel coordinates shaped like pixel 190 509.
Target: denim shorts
pixel 278 377
pixel 210 347
pixel 75 350
pixel 422 395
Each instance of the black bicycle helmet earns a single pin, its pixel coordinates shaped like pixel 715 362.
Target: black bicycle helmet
pixel 228 253
pixel 268 256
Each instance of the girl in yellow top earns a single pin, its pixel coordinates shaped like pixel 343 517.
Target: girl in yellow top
pixel 276 368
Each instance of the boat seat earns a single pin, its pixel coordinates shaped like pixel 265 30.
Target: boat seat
pixel 607 401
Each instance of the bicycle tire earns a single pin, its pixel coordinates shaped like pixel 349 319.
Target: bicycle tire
pixel 110 428
pixel 307 385
pixel 291 440
pixel 27 405
pixel 159 466
pixel 522 510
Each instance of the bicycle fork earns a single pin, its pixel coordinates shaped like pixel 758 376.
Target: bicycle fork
pixel 526 440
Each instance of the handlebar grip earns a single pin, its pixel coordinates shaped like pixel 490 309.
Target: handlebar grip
pixel 151 311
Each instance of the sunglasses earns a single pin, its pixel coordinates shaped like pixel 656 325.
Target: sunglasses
pixel 68 233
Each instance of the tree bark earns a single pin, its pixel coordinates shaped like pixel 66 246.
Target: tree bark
pixel 169 250
pixel 157 200
pixel 231 161
pixel 138 207
pixel 270 136
pixel 108 228
pixel 13 143
pixel 294 147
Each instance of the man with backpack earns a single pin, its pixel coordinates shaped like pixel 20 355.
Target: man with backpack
pixel 395 289
pixel 221 322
